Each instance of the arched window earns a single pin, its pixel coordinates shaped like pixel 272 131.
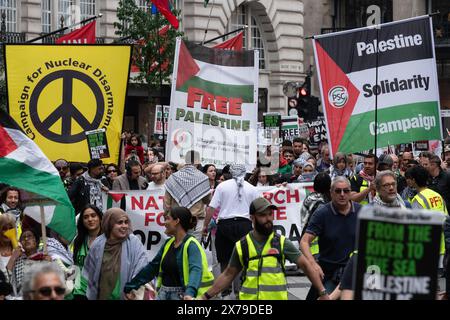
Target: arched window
pixel 252 35
pixel 9 7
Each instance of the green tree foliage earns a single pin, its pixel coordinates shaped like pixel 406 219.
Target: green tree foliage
pixel 151 49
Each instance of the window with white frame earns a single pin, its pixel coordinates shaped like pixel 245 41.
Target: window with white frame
pixel 143 4
pixel 87 9
pixel 65 11
pixel 46 16
pixel 252 35
pixel 9 7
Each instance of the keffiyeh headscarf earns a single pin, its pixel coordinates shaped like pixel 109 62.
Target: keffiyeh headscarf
pixel 238 172
pixel 188 186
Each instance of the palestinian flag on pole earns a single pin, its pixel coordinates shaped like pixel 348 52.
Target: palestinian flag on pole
pixel 213 105
pixel 388 70
pixel 24 165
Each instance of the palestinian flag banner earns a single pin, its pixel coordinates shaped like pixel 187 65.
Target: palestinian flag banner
pixel 213 105
pixel 379 81
pixel 24 166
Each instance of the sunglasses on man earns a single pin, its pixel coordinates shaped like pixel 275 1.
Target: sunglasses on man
pixel 339 191
pixel 47 291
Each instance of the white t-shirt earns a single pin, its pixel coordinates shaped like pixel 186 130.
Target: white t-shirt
pixel 226 198
pixel 153 185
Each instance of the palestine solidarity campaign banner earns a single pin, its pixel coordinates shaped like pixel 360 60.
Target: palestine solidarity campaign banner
pixel 213 105
pixel 389 69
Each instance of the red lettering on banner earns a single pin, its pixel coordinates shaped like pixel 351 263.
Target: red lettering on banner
pixel 292 194
pixel 221 104
pixel 137 202
pixel 208 101
pixel 194 95
pixel 235 106
pixel 280 213
pixel 151 203
pixel 150 217
pixel 268 196
pixel 277 198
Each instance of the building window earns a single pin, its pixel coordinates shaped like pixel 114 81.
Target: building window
pixel 252 35
pixel 46 16
pixel 9 7
pixel 87 9
pixel 143 4
pixel 65 12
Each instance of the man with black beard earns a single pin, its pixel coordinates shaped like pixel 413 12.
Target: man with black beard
pixel 261 256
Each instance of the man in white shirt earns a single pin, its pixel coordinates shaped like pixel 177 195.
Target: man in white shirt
pixel 233 197
pixel 158 175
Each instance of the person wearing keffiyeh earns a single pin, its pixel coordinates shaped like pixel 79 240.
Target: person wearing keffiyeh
pixel 363 190
pixel 189 188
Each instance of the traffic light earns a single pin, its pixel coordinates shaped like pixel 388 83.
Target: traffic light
pixel 305 89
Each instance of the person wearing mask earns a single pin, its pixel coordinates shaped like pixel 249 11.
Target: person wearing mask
pixel 261 256
pixel 44 281
pixel 363 190
pixel 131 179
pixel 335 225
pixel 180 264
pixel 87 189
pixel 308 173
pixel 88 229
pixel 114 258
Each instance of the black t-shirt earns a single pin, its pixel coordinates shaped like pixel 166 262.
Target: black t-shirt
pixel 347 276
pixel 134 185
pixel 170 274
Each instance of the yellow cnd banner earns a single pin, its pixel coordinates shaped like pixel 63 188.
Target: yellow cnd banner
pixel 58 92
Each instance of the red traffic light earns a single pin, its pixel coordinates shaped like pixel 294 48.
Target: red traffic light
pixel 303 92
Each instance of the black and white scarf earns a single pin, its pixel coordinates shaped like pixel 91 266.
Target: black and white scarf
pixel 397 203
pixel 95 190
pixel 238 172
pixel 188 186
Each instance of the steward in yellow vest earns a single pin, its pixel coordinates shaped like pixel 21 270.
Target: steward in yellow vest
pixel 426 198
pixel 180 264
pixel 260 255
pixel 362 189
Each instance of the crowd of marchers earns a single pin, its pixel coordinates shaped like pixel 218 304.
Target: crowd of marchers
pixel 222 208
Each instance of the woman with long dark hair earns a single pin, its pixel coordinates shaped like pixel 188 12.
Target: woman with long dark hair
pixel 88 229
pixel 211 172
pixel 180 264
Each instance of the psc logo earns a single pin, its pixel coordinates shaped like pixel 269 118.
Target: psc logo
pixel 338 96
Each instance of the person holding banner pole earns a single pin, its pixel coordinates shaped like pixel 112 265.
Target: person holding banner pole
pixel 180 265
pixel 335 225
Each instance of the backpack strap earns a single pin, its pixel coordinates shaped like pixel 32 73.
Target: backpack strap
pixel 245 255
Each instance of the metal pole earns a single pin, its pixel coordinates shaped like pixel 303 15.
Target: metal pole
pixel 64 28
pixel 163 122
pixel 226 34
pixel 207 24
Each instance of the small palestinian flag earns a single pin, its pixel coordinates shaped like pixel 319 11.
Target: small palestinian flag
pixel 24 166
pixel 115 200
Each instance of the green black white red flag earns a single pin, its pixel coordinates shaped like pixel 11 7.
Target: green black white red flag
pixel 390 68
pixel 24 165
pixel 213 105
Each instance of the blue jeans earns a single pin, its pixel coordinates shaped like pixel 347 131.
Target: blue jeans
pixel 170 293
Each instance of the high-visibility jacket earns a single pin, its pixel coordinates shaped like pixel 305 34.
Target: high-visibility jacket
pixel 263 273
pixel 314 248
pixel 431 200
pixel 207 276
pixel 364 186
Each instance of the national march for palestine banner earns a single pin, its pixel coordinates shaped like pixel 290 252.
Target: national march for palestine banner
pixel 213 105
pixel 391 66
pixel 398 254
pixel 146 212
pixel 58 92
pixel 24 166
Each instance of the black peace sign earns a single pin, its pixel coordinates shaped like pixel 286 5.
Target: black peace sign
pixel 66 111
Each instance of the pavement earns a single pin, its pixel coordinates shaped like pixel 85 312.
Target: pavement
pixel 298 285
